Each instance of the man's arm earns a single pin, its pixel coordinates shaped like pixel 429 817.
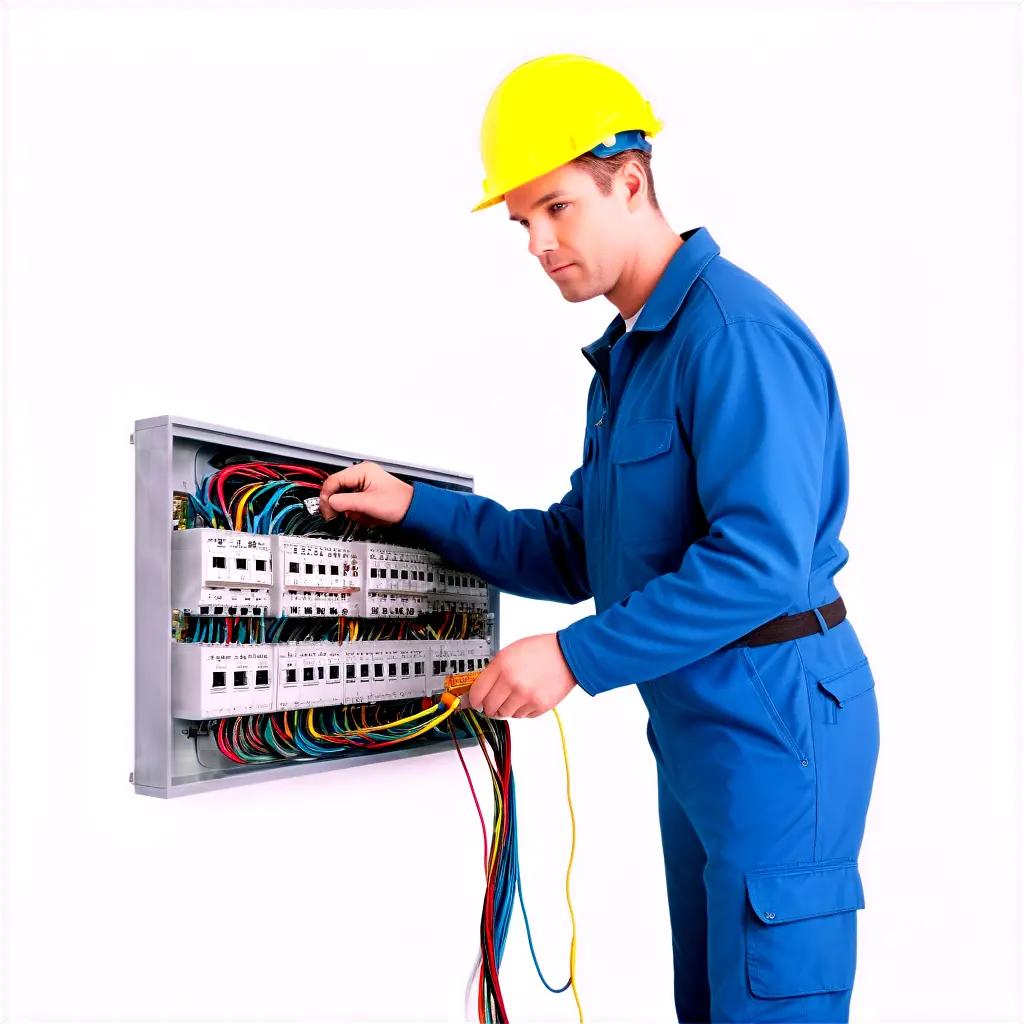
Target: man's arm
pixel 528 552
pixel 756 401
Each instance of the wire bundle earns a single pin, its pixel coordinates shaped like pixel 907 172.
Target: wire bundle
pixel 436 626
pixel 323 732
pixel 501 868
pixel 249 629
pixel 318 733
pixel 260 497
pixel 252 629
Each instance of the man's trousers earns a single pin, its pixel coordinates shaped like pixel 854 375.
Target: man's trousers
pixel 766 758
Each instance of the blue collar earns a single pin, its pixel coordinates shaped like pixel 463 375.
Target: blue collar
pixel 685 266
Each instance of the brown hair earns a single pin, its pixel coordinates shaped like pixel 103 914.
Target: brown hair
pixel 604 169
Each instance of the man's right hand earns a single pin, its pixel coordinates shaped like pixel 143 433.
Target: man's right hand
pixel 367 494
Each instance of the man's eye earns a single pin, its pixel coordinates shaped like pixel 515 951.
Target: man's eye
pixel 526 223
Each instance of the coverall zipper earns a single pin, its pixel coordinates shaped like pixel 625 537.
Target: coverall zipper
pixel 602 482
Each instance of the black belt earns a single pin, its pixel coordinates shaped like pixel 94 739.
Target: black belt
pixel 789 627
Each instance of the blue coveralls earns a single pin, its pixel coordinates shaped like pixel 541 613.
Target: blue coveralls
pixel 709 500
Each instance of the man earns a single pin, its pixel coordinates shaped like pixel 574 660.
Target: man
pixel 704 520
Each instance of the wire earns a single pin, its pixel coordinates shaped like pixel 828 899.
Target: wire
pixel 472 789
pixel 568 871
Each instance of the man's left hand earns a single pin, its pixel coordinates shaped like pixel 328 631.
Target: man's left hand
pixel 523 680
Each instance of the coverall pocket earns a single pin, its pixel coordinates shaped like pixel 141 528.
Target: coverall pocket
pixel 781 663
pixel 846 685
pixel 802 927
pixel 647 494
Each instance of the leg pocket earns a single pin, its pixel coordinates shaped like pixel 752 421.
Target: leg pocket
pixel 802 927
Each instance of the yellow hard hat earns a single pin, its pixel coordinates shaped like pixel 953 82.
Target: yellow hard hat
pixel 553 109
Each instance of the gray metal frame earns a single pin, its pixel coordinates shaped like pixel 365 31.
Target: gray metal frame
pixel 166 450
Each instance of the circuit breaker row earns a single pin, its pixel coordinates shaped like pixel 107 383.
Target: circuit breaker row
pixel 230 573
pixel 218 680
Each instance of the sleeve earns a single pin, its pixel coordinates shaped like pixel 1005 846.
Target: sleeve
pixel 755 400
pixel 528 552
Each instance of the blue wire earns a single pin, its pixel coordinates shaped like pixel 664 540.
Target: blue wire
pixel 281 486
pixel 214 512
pixel 518 884
pixel 529 938
pixel 286 511
pixel 207 511
pixel 508 870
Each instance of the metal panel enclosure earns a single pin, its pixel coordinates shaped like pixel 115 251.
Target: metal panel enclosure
pixel 168 457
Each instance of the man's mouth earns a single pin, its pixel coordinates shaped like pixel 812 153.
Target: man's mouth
pixel 564 266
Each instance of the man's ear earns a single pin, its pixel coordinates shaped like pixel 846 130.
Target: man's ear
pixel 635 182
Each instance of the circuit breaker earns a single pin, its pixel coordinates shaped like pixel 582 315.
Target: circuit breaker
pixel 259 625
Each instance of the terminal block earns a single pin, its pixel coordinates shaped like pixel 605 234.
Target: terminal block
pixel 316 577
pixel 219 680
pixel 220 572
pixel 404 582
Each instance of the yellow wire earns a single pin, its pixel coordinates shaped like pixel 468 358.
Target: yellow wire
pixel 240 511
pixel 388 725
pixel 568 872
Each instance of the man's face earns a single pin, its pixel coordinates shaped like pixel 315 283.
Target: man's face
pixel 571 223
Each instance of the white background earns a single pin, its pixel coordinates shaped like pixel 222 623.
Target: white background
pixel 259 217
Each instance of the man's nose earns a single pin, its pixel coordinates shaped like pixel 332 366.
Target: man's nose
pixel 542 240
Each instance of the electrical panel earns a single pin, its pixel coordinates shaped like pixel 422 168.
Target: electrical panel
pixel 259 626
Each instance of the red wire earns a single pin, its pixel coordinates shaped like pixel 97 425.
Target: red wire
pixel 222 744
pixel 224 474
pixel 472 790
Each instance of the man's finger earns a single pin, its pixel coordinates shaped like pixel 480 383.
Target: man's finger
pixel 482 685
pixel 349 501
pixel 495 696
pixel 528 711
pixel 480 693
pixel 351 479
pixel 493 701
pixel 512 706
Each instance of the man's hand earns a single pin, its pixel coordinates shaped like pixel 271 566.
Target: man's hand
pixel 366 493
pixel 523 680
